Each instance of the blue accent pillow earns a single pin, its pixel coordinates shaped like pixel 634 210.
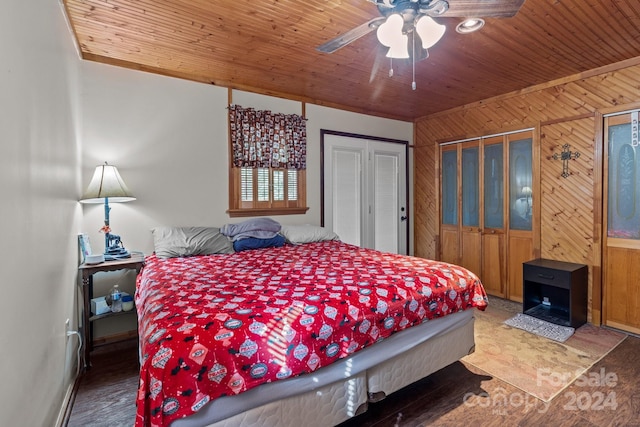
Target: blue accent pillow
pixel 255 243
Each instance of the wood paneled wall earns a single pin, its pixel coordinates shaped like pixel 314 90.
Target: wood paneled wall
pixel 568 211
pixel 567 111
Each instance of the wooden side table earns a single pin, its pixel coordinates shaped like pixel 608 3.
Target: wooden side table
pixel 136 262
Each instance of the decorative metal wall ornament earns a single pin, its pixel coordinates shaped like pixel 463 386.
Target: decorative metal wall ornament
pixel 565 156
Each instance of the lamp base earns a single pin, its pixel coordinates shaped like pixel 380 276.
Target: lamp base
pixel 114 248
pixel 117 252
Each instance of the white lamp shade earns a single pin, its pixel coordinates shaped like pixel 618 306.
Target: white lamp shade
pixel 400 48
pixel 106 183
pixel 430 31
pixel 390 32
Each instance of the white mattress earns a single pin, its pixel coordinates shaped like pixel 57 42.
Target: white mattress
pixel 326 406
pixel 423 360
pixel 384 367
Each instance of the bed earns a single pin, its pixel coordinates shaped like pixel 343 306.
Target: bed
pixel 304 334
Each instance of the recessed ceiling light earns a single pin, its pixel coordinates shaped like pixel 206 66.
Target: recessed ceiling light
pixel 470 25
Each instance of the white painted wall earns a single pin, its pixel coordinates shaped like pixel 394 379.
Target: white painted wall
pixel 169 139
pixel 39 212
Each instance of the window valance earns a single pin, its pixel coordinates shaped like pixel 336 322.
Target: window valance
pixel 262 139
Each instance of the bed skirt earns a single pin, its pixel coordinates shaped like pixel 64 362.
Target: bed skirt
pixel 342 390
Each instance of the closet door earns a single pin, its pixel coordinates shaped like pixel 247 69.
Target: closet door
pixel 345 208
pixel 487 210
pixel 493 231
pixel 471 244
pixel 364 192
pixel 449 190
pixel 521 193
pixel 621 308
pixel 387 173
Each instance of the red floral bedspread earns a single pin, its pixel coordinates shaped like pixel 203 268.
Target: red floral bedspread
pixel 219 325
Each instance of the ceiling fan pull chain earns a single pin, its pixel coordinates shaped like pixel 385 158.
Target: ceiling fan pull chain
pixel 391 68
pixel 413 60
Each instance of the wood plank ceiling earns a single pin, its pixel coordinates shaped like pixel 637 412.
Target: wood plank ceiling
pixel 268 47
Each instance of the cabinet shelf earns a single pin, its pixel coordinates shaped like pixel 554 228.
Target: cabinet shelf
pixel 109 314
pixel 559 316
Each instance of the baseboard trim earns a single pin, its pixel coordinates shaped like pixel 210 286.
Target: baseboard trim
pixel 70 396
pixel 67 403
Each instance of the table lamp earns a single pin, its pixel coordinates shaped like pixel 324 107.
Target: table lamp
pixel 107 186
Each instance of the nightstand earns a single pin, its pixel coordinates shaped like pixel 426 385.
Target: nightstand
pixel 556 291
pixel 136 262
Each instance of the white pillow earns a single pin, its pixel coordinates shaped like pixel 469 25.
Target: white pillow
pixel 307 233
pixel 172 242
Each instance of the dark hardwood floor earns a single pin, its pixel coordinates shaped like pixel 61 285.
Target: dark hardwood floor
pixel 454 396
pixel 106 395
pixel 461 395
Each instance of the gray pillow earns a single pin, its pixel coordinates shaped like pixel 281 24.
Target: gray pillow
pixel 170 242
pixel 297 234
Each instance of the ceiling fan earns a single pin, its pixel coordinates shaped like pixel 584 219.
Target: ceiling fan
pixel 402 17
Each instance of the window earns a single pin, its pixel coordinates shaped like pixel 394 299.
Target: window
pixel 267 171
pixel 267 191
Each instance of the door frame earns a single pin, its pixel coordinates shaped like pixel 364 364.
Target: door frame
pixel 324 132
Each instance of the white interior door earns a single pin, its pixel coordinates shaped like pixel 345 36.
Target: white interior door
pixel 365 190
pixel 346 204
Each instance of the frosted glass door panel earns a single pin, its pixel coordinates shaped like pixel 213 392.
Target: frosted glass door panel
pixel 470 187
pixel 520 184
pixel 624 190
pixel 385 202
pixel 493 186
pixel 450 187
pixel 347 195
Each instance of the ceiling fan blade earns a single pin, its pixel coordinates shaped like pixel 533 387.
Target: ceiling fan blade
pixel 483 8
pixel 350 36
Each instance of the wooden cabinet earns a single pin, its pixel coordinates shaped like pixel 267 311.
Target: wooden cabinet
pixel 487 189
pixel 556 291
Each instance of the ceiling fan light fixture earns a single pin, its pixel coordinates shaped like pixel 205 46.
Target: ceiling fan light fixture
pixel 399 50
pixel 390 32
pixel 438 7
pixel 470 25
pixel 430 31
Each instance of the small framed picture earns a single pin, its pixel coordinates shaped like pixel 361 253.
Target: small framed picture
pixel 85 245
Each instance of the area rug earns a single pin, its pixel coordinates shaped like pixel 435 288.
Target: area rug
pixel 539 366
pixel 540 327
